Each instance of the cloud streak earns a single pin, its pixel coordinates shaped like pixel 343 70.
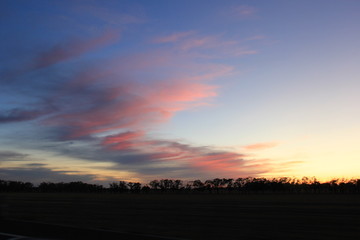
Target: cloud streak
pixel 62 52
pixel 172 37
pixel 12 156
pixel 260 146
pixel 243 11
pixel 72 49
pixel 38 174
pixel 19 115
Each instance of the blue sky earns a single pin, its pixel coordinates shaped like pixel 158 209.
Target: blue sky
pixel 137 90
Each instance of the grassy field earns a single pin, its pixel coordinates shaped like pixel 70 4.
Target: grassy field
pixel 196 216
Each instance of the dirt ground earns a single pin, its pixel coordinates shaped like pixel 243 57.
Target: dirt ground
pixel 195 216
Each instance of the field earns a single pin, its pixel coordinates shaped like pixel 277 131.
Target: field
pixel 195 216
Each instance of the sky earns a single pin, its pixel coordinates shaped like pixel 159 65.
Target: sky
pixel 103 91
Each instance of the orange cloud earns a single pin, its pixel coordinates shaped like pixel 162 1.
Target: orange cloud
pixel 261 146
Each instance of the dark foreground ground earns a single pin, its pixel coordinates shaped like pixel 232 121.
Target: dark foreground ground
pixel 212 216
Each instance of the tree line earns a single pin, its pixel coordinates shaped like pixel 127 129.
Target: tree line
pixel 216 185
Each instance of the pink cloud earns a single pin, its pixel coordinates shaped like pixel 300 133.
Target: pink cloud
pixel 178 92
pixel 126 141
pixel 101 100
pixel 207 160
pixel 173 37
pixel 223 161
pixel 167 156
pixel 203 159
pixel 125 105
pixel 224 164
pixel 122 137
pixel 261 146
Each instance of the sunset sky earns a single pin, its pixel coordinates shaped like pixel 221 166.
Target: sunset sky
pixel 102 91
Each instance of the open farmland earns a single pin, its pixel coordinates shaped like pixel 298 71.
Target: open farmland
pixel 195 216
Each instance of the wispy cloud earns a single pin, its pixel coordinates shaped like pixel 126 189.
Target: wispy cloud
pixel 72 49
pixel 19 115
pixel 110 17
pixel 213 47
pixel 12 156
pixel 35 165
pixel 207 46
pixel 255 37
pixel 172 37
pixel 243 11
pixel 38 174
pixel 61 52
pixel 261 146
pixel 199 42
pixel 204 161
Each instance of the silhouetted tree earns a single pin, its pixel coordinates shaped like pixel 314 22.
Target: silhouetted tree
pixel 155 184
pixel 223 185
pixel 134 187
pixel 118 187
pixel 198 185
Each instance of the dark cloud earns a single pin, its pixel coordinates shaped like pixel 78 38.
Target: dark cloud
pixel 35 165
pixel 169 171
pixel 71 49
pixel 42 174
pixel 58 53
pixel 12 156
pixel 175 160
pixel 19 115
